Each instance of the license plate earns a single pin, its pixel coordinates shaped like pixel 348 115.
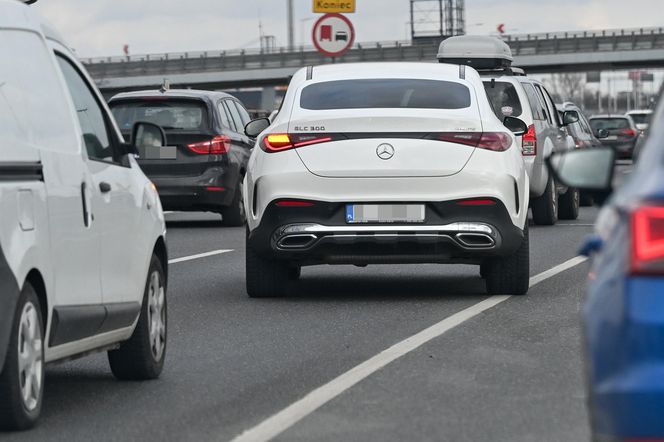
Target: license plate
pixel 384 213
pixel 611 138
pixel 161 153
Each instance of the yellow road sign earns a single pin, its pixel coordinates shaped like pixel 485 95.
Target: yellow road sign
pixel 331 6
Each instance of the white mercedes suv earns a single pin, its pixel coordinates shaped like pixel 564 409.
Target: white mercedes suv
pixel 379 163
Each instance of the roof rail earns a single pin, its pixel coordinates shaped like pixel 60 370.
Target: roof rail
pixel 511 71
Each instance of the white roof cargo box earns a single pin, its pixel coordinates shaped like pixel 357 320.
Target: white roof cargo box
pixel 480 52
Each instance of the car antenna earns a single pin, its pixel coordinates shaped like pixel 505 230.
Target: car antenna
pixel 165 86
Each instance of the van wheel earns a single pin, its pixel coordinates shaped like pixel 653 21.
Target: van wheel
pixel 545 207
pixel 265 278
pixel 569 204
pixel 510 275
pixel 22 381
pixel 234 215
pixel 142 356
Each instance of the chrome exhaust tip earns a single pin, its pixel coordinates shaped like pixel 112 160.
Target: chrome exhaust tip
pixel 475 240
pixel 298 241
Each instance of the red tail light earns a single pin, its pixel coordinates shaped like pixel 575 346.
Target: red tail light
pixel 272 143
pixel 496 141
pixel 293 203
pixel 648 241
pixel 628 132
pixel 216 146
pixel 529 142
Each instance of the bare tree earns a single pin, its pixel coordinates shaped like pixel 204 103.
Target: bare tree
pixel 568 87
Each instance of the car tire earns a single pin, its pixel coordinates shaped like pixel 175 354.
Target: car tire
pixel 235 215
pixel 545 207
pixel 18 412
pixel 586 200
pixel 568 204
pixel 266 278
pixel 510 275
pixel 142 356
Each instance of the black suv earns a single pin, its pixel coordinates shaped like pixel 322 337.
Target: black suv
pixel 203 168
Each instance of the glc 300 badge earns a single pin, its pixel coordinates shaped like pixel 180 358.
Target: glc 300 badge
pixel 385 151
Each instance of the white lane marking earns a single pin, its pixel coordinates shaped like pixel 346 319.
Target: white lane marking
pixel 200 255
pixel 289 416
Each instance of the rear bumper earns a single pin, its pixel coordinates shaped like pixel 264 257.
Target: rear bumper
pixel 624 149
pixel 211 191
pixel 627 360
pixel 320 235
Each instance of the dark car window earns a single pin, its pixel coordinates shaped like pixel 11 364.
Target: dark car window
pixel 170 114
pixel 609 123
pixel 552 108
pixel 640 118
pixel 536 105
pixel 385 93
pixel 244 115
pixel 225 118
pixel 546 109
pixel 90 114
pixel 224 106
pixel 235 114
pixel 504 99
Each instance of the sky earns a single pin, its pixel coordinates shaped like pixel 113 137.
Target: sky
pixel 102 27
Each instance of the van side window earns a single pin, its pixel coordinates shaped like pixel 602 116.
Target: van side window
pixel 33 104
pixel 90 114
pixel 546 109
pixel 536 106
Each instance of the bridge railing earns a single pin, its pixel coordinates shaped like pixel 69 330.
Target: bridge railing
pixel 421 49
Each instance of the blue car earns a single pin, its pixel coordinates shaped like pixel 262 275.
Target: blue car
pixel 623 315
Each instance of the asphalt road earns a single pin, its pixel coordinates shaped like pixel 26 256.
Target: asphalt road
pixel 513 372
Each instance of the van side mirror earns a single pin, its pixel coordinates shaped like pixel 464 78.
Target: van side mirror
pixel 515 125
pixel 570 117
pixel 255 127
pixel 588 170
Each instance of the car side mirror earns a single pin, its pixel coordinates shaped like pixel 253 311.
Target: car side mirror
pixel 602 133
pixel 570 117
pixel 589 170
pixel 515 125
pixel 255 127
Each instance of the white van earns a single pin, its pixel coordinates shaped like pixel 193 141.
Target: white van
pixel 82 235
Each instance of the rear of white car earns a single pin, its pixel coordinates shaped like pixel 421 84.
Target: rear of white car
pixel 386 163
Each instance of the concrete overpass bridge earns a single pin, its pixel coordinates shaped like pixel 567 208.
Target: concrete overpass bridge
pixel 537 53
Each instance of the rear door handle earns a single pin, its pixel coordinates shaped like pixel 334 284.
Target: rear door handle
pixel 104 187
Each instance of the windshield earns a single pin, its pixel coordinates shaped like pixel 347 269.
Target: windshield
pixel 385 93
pixel 169 114
pixel 609 123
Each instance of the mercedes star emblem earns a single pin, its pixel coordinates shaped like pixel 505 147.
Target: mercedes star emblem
pixel 385 151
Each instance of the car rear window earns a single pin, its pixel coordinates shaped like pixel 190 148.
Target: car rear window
pixel 640 118
pixel 385 93
pixel 504 99
pixel 609 123
pixel 169 114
